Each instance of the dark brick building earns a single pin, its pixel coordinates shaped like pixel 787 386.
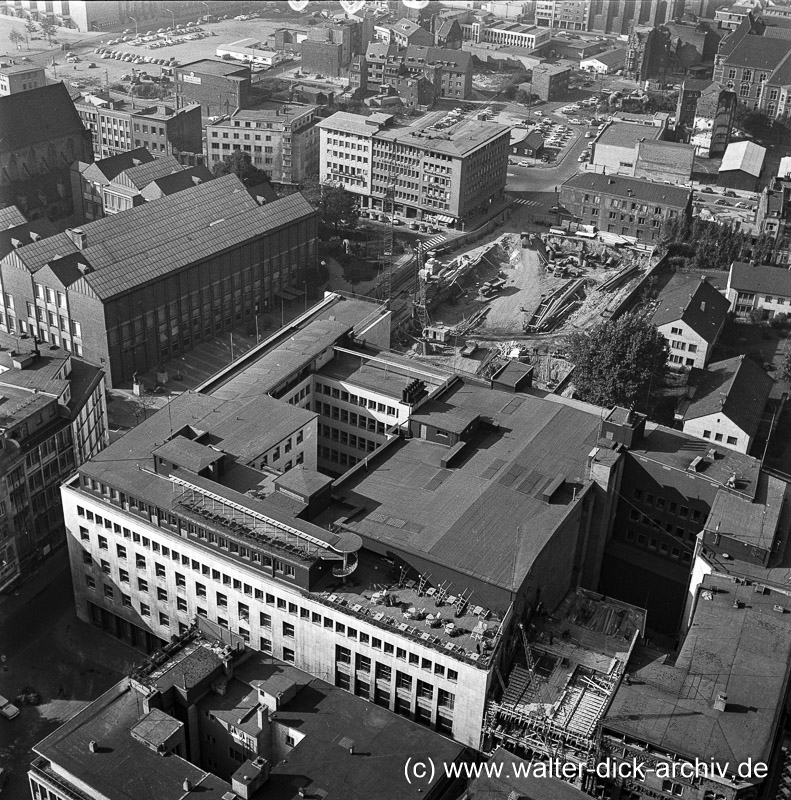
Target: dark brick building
pixel 128 291
pixel 220 87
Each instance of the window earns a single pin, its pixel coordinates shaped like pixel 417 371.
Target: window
pixel 288 630
pixel 731 440
pixel 288 655
pixel 706 434
pixel 142 586
pixel 145 611
pixel 717 437
pixel 164 620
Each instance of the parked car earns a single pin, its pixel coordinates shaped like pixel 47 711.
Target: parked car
pixel 8 710
pixel 707 190
pixel 722 202
pixel 729 193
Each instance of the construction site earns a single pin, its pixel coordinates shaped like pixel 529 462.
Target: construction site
pixel 564 676
pixel 519 298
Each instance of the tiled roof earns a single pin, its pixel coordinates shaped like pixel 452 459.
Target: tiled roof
pixel 618 186
pixel 178 181
pixel 10 216
pixel 695 302
pixel 141 175
pixel 763 280
pixel 763 53
pixel 24 232
pixel 38 115
pixel 737 388
pixel 112 166
pixel 145 243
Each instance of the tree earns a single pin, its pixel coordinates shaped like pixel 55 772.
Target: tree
pixel 311 190
pixel 522 97
pixel 30 26
pixel 616 362
pixel 337 204
pixel 48 28
pixel 240 164
pixel 17 38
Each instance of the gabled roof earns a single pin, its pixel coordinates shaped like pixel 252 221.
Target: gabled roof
pixel 641 190
pixel 610 59
pixel 38 115
pixel 24 233
pixel 763 280
pixel 152 240
pixel 112 166
pixel 185 178
pixel 694 302
pixel 10 216
pixel 737 388
pixel 141 175
pixel 745 157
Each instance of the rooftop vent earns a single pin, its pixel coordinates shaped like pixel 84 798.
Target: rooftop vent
pixel 78 236
pixel 697 464
pixel 196 180
pixel 721 701
pixel 93 746
pixel 186 786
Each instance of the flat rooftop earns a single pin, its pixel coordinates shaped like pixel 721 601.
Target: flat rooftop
pixel 123 768
pixel 211 66
pixel 738 645
pixel 385 373
pixel 674 450
pixel 458 139
pixel 627 134
pixel 486 518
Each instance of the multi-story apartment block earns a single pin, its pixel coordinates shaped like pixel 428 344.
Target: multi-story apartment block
pixel 116 127
pixel 755 62
pixel 331 45
pixel 758 288
pixel 447 173
pixel 773 217
pixel 211 717
pixel 41 135
pixel 130 290
pixel 281 139
pixel 690 314
pixel 624 206
pixel 569 15
pixel 54 419
pixel 448 71
pixel 219 87
pixel 20 77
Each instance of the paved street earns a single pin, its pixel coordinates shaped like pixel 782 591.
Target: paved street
pixel 63 660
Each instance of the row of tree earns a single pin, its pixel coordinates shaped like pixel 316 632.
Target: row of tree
pixel 703 244
pixel 45 25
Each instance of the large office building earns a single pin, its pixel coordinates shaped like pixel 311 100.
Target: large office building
pixel 209 718
pixel 281 139
pixel 41 136
pixel 117 126
pixel 570 15
pixel 445 171
pixel 137 288
pixel 624 206
pixel 402 532
pixel 54 418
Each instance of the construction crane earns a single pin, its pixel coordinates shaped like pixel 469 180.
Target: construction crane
pixel 420 301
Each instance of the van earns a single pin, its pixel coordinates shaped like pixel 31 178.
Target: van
pixel 8 710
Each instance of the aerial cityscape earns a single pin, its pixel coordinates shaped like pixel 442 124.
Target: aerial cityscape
pixel 394 399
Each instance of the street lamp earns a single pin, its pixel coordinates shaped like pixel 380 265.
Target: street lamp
pixel 135 21
pixel 172 16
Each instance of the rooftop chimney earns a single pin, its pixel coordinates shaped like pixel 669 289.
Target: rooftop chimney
pixel 78 236
pixel 721 701
pixel 186 786
pixel 196 180
pixel 93 746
